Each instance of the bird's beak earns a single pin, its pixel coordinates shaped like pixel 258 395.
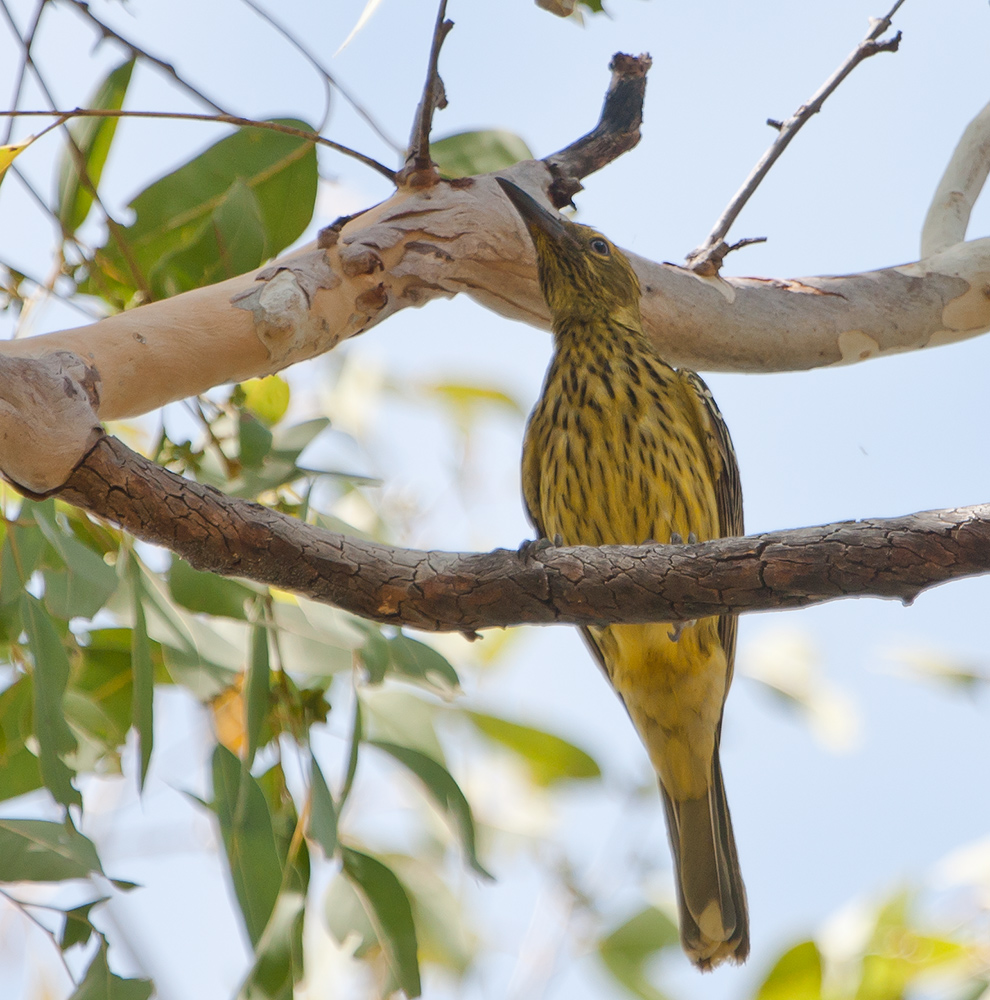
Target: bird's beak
pixel 538 219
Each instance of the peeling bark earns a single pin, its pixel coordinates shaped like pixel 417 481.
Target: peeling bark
pixel 436 238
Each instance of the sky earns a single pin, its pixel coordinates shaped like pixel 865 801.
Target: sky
pixel 819 822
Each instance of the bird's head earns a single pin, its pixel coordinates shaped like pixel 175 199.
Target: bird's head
pixel 582 274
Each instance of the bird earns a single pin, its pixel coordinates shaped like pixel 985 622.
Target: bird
pixel 623 449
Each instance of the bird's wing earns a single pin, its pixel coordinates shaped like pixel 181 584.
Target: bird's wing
pixel 531 461
pixel 725 476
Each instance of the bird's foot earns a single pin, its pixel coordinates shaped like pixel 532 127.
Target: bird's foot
pixel 531 547
pixel 678 627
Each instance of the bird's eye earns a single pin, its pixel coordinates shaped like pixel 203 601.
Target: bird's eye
pixel 600 247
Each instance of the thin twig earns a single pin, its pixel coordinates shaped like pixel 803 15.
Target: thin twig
pixel 27 40
pixel 79 160
pixel 617 131
pixel 223 119
pixel 49 289
pixel 166 67
pixel 329 80
pixel 705 259
pixel 419 170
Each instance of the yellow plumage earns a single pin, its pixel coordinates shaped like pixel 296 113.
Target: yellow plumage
pixel 623 449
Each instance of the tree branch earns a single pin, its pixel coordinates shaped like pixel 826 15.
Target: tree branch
pixel 707 259
pixel 960 186
pixel 616 133
pixel 446 591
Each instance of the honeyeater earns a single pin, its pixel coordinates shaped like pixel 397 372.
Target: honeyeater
pixel 624 449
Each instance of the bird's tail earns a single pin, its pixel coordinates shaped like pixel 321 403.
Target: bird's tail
pixel 711 896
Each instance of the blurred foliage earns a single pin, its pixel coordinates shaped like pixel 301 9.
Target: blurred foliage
pixel 90 625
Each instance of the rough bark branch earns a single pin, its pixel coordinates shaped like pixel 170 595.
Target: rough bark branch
pixel 708 258
pixel 449 591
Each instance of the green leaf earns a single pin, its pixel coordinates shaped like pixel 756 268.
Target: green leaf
pixel 323 813
pixel 256 690
pixel 398 715
pixel 629 947
pixel 419 662
pixel 375 655
pixel 550 759
pixel 207 593
pixel 238 203
pixel 51 675
pixel 278 964
pixel 469 153
pixel 797 975
pixel 21 553
pixel 35 850
pixel 102 984
pixel 19 773
pixel 446 793
pixel 19 770
pixel 255 443
pixel 246 827
pixel 230 242
pixel 443 930
pixel 357 731
pixel 388 909
pixel 346 915
pixel 898 953
pixel 77 928
pixel 143 677
pixel 93 137
pixel 85 584
pixel 105 677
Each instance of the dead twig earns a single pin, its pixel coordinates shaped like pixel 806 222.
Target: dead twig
pixel 616 133
pixel 707 259
pixel 420 170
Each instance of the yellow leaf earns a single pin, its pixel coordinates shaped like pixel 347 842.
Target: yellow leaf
pixel 267 398
pixel 9 153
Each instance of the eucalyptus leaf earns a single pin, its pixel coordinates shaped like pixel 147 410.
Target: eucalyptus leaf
pixel 51 675
pixel 445 792
pixel 796 975
pixel 630 946
pixel 549 758
pixel 207 593
pixel 323 812
pixel 248 838
pixel 388 908
pixel 467 153
pixel 92 138
pixel 269 176
pixel 102 984
pixel 35 850
pixel 277 963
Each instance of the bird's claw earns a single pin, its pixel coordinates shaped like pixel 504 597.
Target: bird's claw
pixel 678 627
pixel 531 547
